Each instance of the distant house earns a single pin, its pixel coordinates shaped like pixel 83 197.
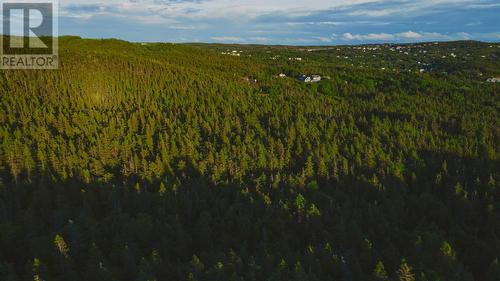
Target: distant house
pixel 310 79
pixel 305 79
pixel 493 80
pixel 250 79
pixel 316 78
pixel 233 53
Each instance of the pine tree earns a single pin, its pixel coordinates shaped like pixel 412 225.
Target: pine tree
pixel 313 211
pixel 405 273
pixel 300 205
pixel 379 272
pixel 447 250
pixel 61 246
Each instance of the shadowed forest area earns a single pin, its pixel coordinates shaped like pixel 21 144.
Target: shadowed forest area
pixel 141 162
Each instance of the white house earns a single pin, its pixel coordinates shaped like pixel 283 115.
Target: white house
pixel 316 78
pixel 305 79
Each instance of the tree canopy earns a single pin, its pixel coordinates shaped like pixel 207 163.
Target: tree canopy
pixel 161 162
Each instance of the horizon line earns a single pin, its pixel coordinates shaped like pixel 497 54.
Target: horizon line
pixel 263 44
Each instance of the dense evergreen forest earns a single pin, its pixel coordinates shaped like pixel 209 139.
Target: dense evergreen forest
pixel 142 162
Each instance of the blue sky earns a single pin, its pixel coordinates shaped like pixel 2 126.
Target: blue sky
pixel 289 22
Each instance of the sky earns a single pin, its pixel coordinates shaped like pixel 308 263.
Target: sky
pixel 285 22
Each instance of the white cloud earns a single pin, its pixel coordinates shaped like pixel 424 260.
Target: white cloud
pixel 196 9
pixel 230 9
pixel 323 39
pixel 483 5
pixel 464 35
pixel 368 37
pixel 374 13
pixel 229 39
pixel 411 35
pixel 417 36
pixel 474 23
pixel 260 39
pixel 412 7
pixel 408 35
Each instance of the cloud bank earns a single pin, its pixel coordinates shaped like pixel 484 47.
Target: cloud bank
pixel 282 21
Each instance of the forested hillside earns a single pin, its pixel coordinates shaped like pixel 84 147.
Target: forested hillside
pixel 188 162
